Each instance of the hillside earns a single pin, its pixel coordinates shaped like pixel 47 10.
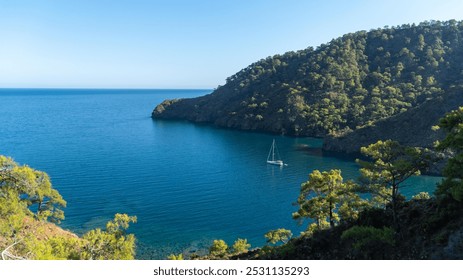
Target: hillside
pixel 410 128
pixel 39 232
pixel 431 230
pixel 343 85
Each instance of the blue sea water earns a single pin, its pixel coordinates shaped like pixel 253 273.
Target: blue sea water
pixel 188 184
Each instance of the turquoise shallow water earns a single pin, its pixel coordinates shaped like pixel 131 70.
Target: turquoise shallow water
pixel 187 184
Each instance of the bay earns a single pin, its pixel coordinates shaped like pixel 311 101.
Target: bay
pixel 188 184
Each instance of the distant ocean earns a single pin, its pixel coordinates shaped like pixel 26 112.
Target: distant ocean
pixel 188 184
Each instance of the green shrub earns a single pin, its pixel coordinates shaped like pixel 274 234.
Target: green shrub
pixel 218 249
pixel 240 246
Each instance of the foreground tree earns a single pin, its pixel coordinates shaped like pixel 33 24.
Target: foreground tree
pixel 219 248
pixel 12 214
pixel 33 187
pixel 278 235
pixel 327 199
pixel 391 164
pixel 48 201
pixel 452 185
pixel 110 244
pixel 240 246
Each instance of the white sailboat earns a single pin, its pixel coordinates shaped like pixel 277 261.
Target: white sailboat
pixel 271 155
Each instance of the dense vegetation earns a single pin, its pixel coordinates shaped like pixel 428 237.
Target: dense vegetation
pixel 348 83
pixel 29 209
pixel 412 128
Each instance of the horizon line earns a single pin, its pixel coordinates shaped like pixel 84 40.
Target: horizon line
pixel 105 88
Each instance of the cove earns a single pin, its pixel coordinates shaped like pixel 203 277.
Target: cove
pixel 188 184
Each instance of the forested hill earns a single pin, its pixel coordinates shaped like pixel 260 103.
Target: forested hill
pixel 345 84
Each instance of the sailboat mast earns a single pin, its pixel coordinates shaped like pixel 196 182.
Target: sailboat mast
pixel 273 150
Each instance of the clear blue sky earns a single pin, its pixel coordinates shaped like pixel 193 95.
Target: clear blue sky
pixel 177 43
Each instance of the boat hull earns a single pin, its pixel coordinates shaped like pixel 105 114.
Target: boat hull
pixel 275 162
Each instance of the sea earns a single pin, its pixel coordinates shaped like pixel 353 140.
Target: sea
pixel 187 183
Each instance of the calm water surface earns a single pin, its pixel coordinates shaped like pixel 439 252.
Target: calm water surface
pixel 187 184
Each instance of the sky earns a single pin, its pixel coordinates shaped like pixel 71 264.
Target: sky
pixel 177 43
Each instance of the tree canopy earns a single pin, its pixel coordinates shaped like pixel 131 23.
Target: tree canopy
pixel 391 164
pixel 327 199
pixel 452 185
pixel 32 187
pixel 112 243
pixel 278 235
